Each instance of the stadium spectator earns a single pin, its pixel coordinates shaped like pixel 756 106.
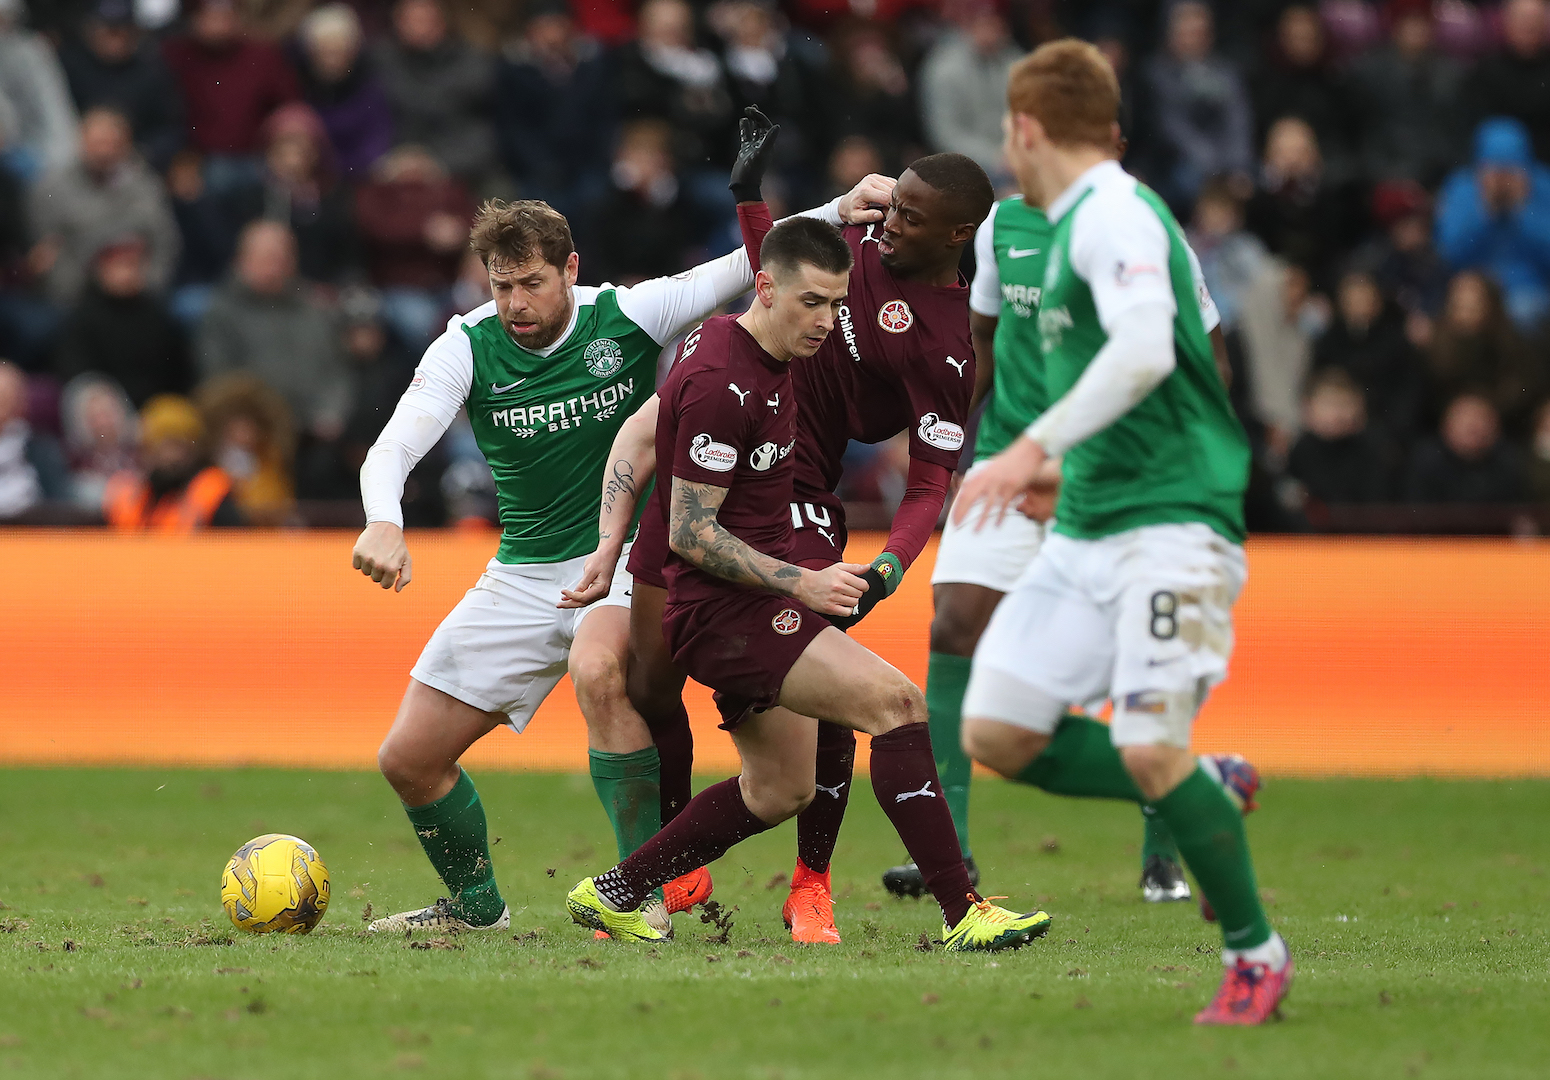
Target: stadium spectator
pixel 299 190
pixel 100 436
pixel 665 75
pixel 963 84
pixel 32 465
pixel 209 233
pixel 872 95
pixel 1299 79
pixel 1198 107
pixel 38 116
pixel 1476 349
pixel 121 330
pixel 338 82
pixel 553 110
pixel 1468 461
pixel 174 488
pixel 413 219
pixel 1230 256
pixel 109 192
pixel 111 62
pixel 1516 81
pixel 1366 341
pixel 439 87
pixel 855 157
pixel 27 319
pixel 643 225
pixel 1403 259
pixel 1494 215
pixel 1407 98
pixel 1337 459
pixel 765 68
pixel 253 442
pixel 231 83
pixel 1280 318
pixel 265 321
pixel 1296 209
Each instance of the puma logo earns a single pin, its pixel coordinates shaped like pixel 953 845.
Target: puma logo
pixel 741 394
pixel 827 535
pixel 926 791
pixel 957 365
pixel 832 792
pixel 774 402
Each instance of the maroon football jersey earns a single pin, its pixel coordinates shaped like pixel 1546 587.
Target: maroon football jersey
pixel 727 418
pixel 899 359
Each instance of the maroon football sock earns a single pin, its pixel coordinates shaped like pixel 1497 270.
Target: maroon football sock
pixel 675 746
pixel 906 784
pixel 714 820
pixel 818 827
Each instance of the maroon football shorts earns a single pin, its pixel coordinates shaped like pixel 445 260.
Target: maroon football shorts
pixel 649 551
pixel 741 645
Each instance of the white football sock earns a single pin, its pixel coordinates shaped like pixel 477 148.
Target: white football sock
pixel 1273 954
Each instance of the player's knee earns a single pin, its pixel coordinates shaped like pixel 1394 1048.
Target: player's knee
pixel 1004 748
pixel 777 799
pixel 900 702
pixel 598 676
pixel 398 768
pixel 1157 769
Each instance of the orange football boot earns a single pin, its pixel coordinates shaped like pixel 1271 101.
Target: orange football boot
pixel 682 893
pixel 809 910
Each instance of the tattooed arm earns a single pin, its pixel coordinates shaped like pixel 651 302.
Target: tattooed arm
pixel 631 462
pixel 696 535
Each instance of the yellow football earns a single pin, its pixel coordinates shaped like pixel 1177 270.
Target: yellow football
pixel 275 882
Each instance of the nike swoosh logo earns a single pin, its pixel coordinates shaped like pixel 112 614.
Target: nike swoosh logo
pixel 1020 253
pixel 509 386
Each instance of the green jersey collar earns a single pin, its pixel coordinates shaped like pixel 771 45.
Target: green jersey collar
pixel 1100 173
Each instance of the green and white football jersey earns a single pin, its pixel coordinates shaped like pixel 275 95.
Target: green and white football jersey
pixel 1011 249
pixel 545 419
pixel 1180 454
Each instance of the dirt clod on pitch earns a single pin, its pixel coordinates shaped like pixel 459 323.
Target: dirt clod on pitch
pixel 925 944
pixel 720 917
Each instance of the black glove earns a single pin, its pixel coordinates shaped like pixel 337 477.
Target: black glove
pixel 876 589
pixel 755 147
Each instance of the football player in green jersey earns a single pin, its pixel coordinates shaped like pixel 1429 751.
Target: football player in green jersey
pixel 976 567
pixel 1130 596
pixel 547 371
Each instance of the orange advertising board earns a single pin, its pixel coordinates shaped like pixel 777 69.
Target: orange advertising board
pixel 1379 657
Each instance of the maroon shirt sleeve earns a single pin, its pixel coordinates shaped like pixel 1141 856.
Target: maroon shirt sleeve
pixel 712 428
pixel 755 222
pixel 919 510
pixel 940 388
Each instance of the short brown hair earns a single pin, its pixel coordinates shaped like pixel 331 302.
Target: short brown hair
pixel 1069 88
pixel 514 232
pixel 804 241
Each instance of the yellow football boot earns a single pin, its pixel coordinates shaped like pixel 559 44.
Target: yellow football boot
pixel 988 928
pixel 587 909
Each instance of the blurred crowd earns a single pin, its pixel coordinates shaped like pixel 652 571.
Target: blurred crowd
pixel 229 227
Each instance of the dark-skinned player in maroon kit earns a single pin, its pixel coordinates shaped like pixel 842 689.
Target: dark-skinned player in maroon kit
pixel 743 619
pixel 900 360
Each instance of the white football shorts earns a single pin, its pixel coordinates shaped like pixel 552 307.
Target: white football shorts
pixel 1142 617
pixel 994 557
pixel 506 645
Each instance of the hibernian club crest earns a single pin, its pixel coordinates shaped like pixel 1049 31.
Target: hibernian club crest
pixel 604 357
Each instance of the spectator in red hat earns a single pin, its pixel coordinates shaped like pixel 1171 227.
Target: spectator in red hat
pixel 231 83
pixel 1403 260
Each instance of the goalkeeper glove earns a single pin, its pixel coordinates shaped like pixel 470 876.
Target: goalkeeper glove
pixel 755 147
pixel 882 578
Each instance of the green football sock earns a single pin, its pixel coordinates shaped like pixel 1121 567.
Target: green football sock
pixel 453 833
pixel 1156 837
pixel 947 677
pixel 630 788
pixel 1081 760
pixel 1210 834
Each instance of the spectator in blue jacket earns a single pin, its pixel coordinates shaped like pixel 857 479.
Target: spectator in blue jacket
pixel 1494 216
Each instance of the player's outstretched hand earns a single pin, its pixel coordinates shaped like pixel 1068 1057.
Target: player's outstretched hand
pixel 834 590
pixel 596 581
pixel 382 555
pixel 1002 482
pixel 755 146
pixel 867 201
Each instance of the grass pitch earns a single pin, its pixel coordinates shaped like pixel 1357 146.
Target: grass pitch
pixel 1419 913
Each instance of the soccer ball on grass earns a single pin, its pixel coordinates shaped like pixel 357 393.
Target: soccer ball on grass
pixel 275 882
